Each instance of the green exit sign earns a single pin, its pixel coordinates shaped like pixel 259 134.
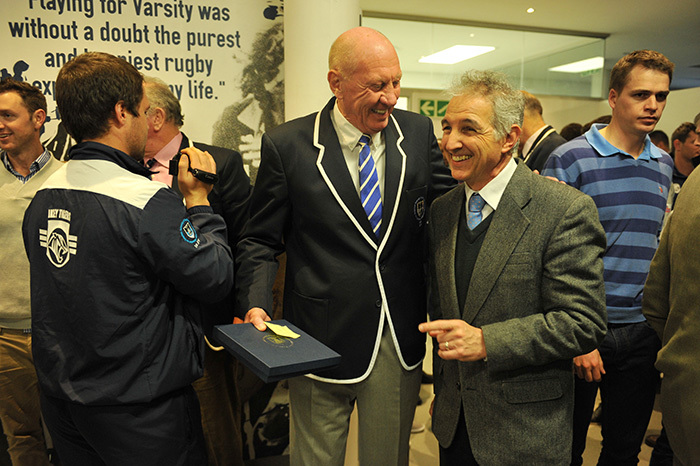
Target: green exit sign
pixel 442 107
pixel 433 108
pixel 427 107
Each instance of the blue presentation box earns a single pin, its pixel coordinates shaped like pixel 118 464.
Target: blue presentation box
pixel 272 357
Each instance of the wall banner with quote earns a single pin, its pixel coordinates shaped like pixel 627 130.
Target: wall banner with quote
pixel 222 58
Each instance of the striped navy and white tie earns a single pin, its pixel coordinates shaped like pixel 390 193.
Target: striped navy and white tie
pixel 369 186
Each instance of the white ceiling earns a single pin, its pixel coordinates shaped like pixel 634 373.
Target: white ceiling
pixel 671 27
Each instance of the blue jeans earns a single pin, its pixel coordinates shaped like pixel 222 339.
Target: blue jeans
pixel 627 391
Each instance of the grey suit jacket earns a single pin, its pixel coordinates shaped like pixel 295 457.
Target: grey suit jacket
pixel 670 304
pixel 538 295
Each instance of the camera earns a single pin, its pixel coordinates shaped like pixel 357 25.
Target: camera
pixel 201 175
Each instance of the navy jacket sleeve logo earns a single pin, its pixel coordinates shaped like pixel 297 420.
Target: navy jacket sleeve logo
pixel 188 232
pixel 57 240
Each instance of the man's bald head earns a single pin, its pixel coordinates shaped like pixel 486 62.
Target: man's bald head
pixel 353 45
pixel 365 77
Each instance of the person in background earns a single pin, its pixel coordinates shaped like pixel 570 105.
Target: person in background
pixel 119 271
pixel 26 165
pixel 538 139
pixel 660 140
pixel 571 131
pixel 346 192
pixel 629 179
pixel 686 153
pixel 217 390
pixel 670 304
pixel 603 120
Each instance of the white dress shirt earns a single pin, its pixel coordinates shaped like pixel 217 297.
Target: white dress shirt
pixel 349 137
pixel 493 191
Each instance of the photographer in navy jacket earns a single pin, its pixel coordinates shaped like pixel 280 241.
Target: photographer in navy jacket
pixel 119 268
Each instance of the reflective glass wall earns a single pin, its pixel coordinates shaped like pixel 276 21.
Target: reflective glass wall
pixel 531 58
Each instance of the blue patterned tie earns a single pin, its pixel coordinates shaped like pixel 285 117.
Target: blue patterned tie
pixel 369 186
pixel 476 203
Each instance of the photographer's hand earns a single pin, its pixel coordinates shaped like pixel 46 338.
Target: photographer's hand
pixel 194 191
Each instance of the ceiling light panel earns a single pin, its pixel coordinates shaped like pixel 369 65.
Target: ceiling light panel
pixel 456 54
pixel 580 66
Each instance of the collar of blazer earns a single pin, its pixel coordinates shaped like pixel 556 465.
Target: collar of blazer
pixel 332 167
pixel 507 227
pixel 541 137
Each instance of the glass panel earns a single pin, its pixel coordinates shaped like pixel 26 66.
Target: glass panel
pixel 526 56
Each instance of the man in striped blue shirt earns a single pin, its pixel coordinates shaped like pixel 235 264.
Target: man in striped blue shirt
pixel 628 178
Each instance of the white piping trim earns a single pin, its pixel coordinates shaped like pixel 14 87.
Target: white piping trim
pixel 385 309
pixel 377 343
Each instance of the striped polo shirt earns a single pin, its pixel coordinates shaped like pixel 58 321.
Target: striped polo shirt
pixel 631 198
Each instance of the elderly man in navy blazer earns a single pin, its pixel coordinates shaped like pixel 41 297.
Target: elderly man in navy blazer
pixel 345 192
pixel 517 286
pixel 537 138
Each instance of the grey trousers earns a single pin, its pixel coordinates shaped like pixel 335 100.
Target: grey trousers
pixel 386 402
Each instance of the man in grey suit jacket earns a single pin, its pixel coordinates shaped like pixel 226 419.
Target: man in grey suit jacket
pixel 517 289
pixel 670 304
pixel 357 287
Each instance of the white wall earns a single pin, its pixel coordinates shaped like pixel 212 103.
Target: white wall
pixel 560 111
pixel 682 106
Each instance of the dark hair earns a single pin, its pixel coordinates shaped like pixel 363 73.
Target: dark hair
pixel 89 86
pixel 658 136
pixel 605 119
pixel 571 131
pixel 683 131
pixel 647 58
pixel 31 96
